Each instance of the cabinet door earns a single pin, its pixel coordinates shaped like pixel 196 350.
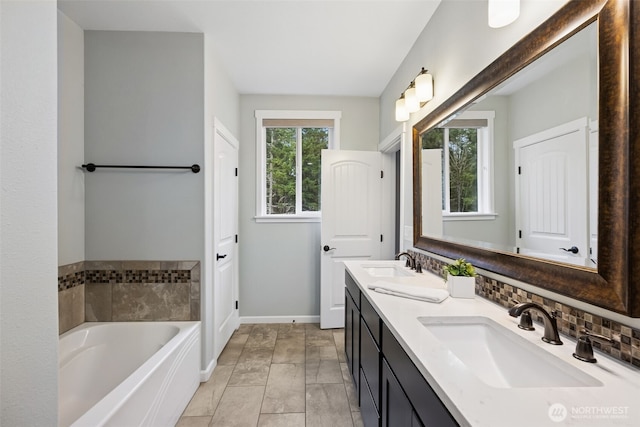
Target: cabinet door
pixel 396 409
pixel 370 361
pixel 368 409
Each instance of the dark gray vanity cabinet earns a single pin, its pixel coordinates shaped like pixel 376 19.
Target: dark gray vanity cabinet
pixel 352 330
pixel 391 390
pixel 427 407
pixel 370 359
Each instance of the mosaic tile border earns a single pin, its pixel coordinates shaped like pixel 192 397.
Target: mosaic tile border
pixel 109 287
pixel 626 340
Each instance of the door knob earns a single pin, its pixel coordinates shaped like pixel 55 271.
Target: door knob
pixel 326 248
pixel 218 256
pixel 572 249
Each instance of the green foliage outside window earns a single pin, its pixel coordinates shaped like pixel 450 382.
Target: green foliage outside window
pixel 281 168
pixel 463 165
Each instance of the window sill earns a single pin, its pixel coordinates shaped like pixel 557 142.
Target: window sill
pixel 288 218
pixel 470 217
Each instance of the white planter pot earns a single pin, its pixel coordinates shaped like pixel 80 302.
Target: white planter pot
pixel 461 286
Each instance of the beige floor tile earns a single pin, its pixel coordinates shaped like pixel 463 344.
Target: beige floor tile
pixel 323 372
pixel 285 390
pixel 357 419
pixel 327 352
pixel 338 338
pixel 327 406
pixel 239 407
pixel 263 336
pixel 194 421
pixel 245 328
pixel 281 420
pixel 320 338
pixel 233 349
pixel 289 350
pixel 252 367
pixel 352 395
pixel 291 330
pixel 206 399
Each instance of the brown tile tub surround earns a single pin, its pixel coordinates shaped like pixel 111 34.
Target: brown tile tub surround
pixel 71 291
pixel 626 346
pixel 106 291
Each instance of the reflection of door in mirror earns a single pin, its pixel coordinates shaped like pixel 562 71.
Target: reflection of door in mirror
pixel 552 188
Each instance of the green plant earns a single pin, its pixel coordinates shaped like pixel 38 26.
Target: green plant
pixel 459 267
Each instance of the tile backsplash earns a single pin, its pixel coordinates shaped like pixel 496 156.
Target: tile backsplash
pixel 111 291
pixel 571 320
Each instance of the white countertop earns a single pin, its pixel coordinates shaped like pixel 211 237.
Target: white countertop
pixel 474 403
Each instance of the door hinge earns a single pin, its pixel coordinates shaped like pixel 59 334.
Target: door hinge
pixel 236 304
pixel 519 170
pixel 236 171
pixel 236 238
pixel 381 238
pixel 381 174
pixel 519 234
pixel 517 250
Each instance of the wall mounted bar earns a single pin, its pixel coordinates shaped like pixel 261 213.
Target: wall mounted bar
pixel 90 167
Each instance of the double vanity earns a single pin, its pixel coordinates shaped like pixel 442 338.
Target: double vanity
pixel 466 362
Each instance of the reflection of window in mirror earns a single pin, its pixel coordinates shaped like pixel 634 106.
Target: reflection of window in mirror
pixel 467 178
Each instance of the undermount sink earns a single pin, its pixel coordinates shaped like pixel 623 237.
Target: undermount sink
pixel 381 270
pixel 500 358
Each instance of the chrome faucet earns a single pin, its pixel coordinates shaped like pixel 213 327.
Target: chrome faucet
pixel 411 262
pixel 550 324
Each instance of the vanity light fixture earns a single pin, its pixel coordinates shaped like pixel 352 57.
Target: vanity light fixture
pixel 419 92
pixel 402 115
pixel 503 12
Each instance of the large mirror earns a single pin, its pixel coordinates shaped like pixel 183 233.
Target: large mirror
pixel 526 171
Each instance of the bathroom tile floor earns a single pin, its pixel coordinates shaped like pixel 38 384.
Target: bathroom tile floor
pixel 284 375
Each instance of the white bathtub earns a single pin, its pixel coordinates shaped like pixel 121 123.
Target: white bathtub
pixel 127 373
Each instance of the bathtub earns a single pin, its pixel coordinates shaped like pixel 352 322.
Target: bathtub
pixel 127 373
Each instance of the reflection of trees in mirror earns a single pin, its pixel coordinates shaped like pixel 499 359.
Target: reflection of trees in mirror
pixel 282 168
pixel 460 170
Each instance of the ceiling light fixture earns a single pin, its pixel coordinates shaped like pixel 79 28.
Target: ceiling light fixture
pixel 503 12
pixel 419 92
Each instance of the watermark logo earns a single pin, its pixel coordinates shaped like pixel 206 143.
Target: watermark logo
pixel 557 412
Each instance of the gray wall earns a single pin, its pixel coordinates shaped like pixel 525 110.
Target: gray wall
pixel 70 141
pixel 455 45
pixel 28 244
pixel 280 263
pixel 144 104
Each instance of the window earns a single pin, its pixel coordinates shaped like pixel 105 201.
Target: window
pixel 467 178
pixel 289 144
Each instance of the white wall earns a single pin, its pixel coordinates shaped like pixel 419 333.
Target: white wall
pixel 280 263
pixel 144 105
pixel 222 101
pixel 28 238
pixel 70 141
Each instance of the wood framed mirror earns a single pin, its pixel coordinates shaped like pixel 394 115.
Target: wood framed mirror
pixel 613 283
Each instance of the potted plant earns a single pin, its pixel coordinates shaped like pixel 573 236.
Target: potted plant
pixel 460 277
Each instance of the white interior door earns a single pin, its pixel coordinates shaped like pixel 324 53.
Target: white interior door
pixel 225 232
pixel 351 226
pixel 551 193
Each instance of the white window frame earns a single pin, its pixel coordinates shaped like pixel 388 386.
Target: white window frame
pixel 486 209
pixel 261 161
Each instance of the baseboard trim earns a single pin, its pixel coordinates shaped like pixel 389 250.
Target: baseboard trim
pixel 279 319
pixel 206 374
